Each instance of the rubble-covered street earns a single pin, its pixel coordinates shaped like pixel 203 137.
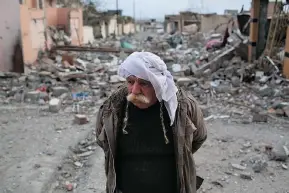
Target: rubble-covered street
pixel 48 116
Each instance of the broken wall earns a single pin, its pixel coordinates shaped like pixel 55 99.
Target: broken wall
pixel 76 26
pixel 120 29
pixel 112 26
pixel 104 29
pixel 9 32
pixel 32 27
pixel 128 28
pixel 210 22
pixel 88 34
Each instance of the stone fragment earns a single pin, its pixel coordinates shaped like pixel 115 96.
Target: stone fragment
pixel 246 176
pixel 235 81
pixel 284 166
pixel 279 153
pixel 32 96
pixel 78 164
pixel 59 90
pixel 85 154
pixel 238 167
pixel 184 81
pixel 259 165
pixel 223 88
pixel 260 117
pixel 54 105
pixel 266 91
pixel 116 79
pixel 80 119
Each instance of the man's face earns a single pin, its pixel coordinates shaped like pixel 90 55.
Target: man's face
pixel 141 92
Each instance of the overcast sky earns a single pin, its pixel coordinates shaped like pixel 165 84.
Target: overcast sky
pixel 158 8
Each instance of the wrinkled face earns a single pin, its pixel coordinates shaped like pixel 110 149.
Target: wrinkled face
pixel 141 92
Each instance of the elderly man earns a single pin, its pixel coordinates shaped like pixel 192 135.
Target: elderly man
pixel 149 130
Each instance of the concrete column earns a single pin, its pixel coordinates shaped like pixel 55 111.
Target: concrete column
pixel 286 56
pixel 255 7
pixel 261 42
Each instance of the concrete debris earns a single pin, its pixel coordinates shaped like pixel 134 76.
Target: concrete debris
pixel 238 167
pixel 246 176
pixel 80 119
pixel 54 105
pixel 219 75
pixel 59 36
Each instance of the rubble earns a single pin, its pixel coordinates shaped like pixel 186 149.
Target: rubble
pixel 54 105
pixel 59 36
pixel 80 119
pixel 218 76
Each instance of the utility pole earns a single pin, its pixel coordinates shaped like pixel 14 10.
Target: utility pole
pixel 134 16
pixel 116 16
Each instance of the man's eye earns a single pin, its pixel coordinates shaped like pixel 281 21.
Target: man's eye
pixel 144 84
pixel 130 81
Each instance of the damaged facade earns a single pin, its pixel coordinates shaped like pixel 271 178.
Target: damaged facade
pixel 111 23
pixel 193 22
pixel 37 16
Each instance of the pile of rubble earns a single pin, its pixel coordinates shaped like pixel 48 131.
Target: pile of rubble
pixel 59 37
pixel 89 74
pixel 72 82
pixel 240 90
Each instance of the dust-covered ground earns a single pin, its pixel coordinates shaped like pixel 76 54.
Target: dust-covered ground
pixel 45 152
pixel 228 144
pixel 33 142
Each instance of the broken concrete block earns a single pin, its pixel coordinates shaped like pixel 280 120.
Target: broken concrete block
pixel 259 166
pixel 54 105
pixel 266 91
pixel 59 90
pixel 64 76
pixel 80 119
pixel 32 96
pixel 259 74
pixel 223 88
pixel 238 167
pixel 236 82
pixel 279 154
pixel 96 61
pixel 116 79
pixel 217 61
pixel 184 81
pixel 246 175
pixel 264 79
pixel 260 117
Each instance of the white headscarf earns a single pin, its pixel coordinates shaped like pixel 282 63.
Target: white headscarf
pixel 150 67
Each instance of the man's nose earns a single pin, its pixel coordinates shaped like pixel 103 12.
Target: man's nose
pixel 136 88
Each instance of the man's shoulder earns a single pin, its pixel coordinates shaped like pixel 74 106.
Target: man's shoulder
pixel 185 96
pixel 187 99
pixel 117 97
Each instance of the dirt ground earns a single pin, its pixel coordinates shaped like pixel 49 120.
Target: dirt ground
pixel 35 143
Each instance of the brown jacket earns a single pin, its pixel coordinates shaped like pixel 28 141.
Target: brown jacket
pixel 189 134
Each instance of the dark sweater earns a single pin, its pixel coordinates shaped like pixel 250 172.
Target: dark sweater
pixel 145 164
